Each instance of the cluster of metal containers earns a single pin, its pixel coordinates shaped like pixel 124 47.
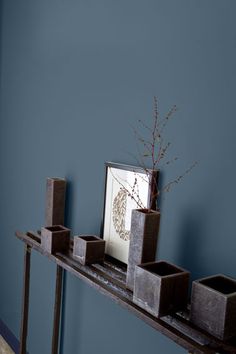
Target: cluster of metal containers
pixel 160 288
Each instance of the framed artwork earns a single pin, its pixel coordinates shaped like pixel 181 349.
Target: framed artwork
pixel 126 188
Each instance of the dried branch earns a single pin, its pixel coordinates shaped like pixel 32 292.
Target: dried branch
pixel 132 191
pixel 169 185
pixel 152 150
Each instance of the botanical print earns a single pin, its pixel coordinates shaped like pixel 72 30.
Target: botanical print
pixel 119 208
pixel 122 185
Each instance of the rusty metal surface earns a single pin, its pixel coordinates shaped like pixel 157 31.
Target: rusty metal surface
pixel 89 249
pixel 55 238
pixel 55 201
pixel 213 305
pixel 143 241
pixel 161 288
pixel 57 310
pixel 25 301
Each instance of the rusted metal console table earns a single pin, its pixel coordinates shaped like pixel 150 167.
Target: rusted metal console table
pixel 109 279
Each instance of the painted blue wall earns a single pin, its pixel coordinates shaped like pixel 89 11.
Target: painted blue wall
pixel 75 75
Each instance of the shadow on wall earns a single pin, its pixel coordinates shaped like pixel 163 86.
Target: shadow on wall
pixel 68 221
pixel 160 186
pixel 69 201
pixel 191 240
pixel 70 290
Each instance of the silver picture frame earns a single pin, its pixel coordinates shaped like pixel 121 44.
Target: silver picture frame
pixel 126 187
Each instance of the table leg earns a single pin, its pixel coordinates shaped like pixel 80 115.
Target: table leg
pixel 57 311
pixel 25 301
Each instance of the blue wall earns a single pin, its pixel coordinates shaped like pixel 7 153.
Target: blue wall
pixel 75 75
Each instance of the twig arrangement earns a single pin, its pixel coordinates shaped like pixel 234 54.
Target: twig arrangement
pixel 152 151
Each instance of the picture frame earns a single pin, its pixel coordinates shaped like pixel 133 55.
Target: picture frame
pixel 123 183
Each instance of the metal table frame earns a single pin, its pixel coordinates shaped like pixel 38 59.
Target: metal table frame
pixel 110 279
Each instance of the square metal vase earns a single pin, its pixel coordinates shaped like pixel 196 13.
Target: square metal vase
pixel 89 249
pixel 213 305
pixel 161 288
pixel 55 238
